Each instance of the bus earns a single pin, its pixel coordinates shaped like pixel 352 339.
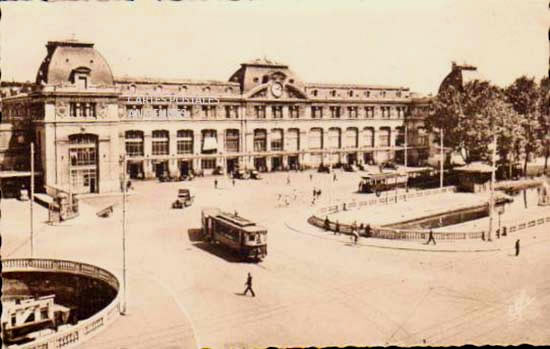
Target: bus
pixel 377 183
pixel 244 237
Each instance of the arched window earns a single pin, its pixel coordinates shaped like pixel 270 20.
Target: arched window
pixel 293 139
pixel 134 143
pixel 384 137
pixel 316 138
pixel 352 139
pixel 160 142
pixel 185 142
pixel 260 140
pixel 232 141
pixel 277 139
pixel 368 137
pixel 400 136
pixel 209 141
pixel 334 138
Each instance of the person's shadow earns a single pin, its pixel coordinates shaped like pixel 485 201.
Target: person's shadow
pixel 240 294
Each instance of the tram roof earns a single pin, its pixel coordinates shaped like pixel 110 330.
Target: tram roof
pixel 376 176
pixel 240 222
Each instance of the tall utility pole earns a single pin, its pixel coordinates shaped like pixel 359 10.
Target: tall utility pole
pixel 492 197
pixel 442 159
pixel 405 161
pixel 124 187
pixel 32 199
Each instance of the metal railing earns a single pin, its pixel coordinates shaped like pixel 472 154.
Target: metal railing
pixel 85 329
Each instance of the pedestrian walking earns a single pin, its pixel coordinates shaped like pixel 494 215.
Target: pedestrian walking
pixel 215 184
pixel 248 285
pixel 334 177
pixel 337 228
pixel 326 225
pixel 355 236
pixel 517 247
pixel 367 230
pixel 310 177
pixel 233 181
pixel 288 180
pixel 431 237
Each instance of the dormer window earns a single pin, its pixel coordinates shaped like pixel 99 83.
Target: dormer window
pixel 350 93
pixel 256 80
pixel 367 94
pixel 80 76
pixel 314 93
pixel 333 93
pixel 291 81
pixel 206 89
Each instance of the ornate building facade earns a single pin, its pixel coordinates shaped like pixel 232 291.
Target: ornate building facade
pixel 83 120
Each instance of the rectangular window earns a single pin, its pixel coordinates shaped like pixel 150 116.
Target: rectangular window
pixel 352 112
pixel 317 112
pixel 294 111
pixel 185 146
pixel 185 110
pixel 231 112
pixel 160 111
pixel 260 111
pixel 209 111
pixel 208 164
pixel 277 112
pixel 335 112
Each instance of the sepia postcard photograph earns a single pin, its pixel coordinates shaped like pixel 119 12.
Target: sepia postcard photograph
pixel 274 173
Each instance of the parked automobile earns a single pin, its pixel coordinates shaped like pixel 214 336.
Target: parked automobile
pixel 323 169
pixel 241 174
pixel 349 168
pixel 185 199
pixel 255 174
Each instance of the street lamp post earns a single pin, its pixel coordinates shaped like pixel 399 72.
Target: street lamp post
pixel 492 198
pixel 124 187
pixel 32 200
pixel 441 160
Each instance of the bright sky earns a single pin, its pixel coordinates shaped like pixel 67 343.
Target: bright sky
pixel 388 42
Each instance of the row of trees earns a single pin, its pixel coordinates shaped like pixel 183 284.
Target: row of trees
pixel 519 116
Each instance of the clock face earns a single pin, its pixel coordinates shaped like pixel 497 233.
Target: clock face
pixel 277 89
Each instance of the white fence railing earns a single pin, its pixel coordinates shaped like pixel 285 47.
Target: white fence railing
pixel 85 329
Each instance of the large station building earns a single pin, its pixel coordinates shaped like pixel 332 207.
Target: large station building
pixel 83 120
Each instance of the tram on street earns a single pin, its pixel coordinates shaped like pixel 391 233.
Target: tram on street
pixel 242 236
pixel 377 183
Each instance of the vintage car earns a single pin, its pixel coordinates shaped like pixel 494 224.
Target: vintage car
pixel 349 168
pixel 255 174
pixel 241 174
pixel 184 199
pixel 323 169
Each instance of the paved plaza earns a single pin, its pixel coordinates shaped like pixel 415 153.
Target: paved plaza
pixel 313 288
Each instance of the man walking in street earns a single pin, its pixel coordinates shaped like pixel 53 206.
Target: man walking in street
pixel 215 184
pixel 431 238
pixel 248 285
pixel 517 248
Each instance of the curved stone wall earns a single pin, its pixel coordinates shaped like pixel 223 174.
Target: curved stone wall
pixel 83 273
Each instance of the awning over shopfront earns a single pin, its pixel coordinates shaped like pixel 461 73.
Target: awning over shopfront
pixel 210 143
